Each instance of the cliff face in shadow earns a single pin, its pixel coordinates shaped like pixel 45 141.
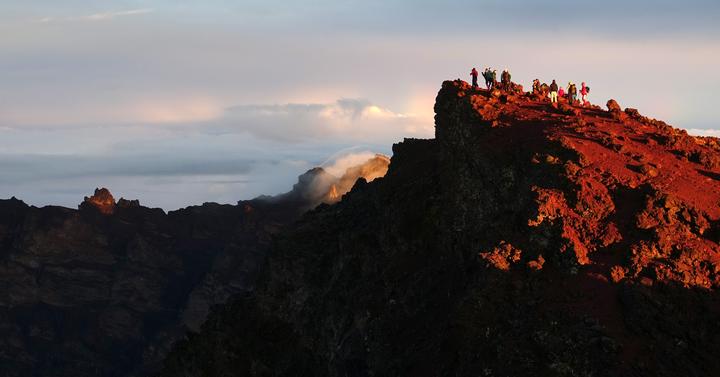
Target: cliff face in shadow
pixel 105 290
pixel 524 240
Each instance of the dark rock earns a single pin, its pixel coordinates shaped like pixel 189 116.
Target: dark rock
pixel 615 110
pixel 108 289
pixel 613 106
pixel 633 113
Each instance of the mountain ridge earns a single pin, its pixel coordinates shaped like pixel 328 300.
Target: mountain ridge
pixel 108 288
pixel 525 239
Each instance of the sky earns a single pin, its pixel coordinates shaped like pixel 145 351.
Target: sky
pixel 182 102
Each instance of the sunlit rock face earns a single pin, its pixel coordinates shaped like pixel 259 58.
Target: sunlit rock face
pixel 370 170
pixel 317 186
pixel 525 239
pixel 102 200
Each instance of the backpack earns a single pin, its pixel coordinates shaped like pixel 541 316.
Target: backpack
pixel 587 89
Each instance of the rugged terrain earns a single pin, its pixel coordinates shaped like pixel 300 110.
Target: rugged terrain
pixel 524 240
pixel 105 290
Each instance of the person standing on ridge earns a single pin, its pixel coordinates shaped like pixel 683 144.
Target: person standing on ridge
pixel 493 78
pixel 504 79
pixel 553 92
pixel 567 92
pixel 572 93
pixel 536 86
pixel 474 74
pixel 487 74
pixel 584 91
pixel 561 92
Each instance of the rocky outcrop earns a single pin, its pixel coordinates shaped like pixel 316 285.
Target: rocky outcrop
pixel 522 240
pixel 102 200
pixel 318 186
pixel 370 170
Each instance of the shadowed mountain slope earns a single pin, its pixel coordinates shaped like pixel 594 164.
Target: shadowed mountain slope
pixel 105 290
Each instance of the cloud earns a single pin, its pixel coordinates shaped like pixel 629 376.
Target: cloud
pixel 165 165
pixel 103 16
pixel 345 119
pixel 111 15
pixel 704 132
pixel 224 154
pixel 338 165
pixel 140 109
pixel 178 111
pixel 35 167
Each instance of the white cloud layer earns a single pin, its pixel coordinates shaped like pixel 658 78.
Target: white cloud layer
pixel 102 16
pixel 704 132
pixel 242 152
pixel 345 119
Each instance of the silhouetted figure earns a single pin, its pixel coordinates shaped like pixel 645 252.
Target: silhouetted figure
pixel 488 76
pixel 553 92
pixel 536 87
pixel 493 77
pixel 572 93
pixel 474 74
pixel 505 80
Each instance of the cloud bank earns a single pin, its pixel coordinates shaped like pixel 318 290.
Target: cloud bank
pixel 103 16
pixel 350 119
pixel 238 153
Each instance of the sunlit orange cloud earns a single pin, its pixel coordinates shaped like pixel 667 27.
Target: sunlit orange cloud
pixel 182 111
pixel 369 121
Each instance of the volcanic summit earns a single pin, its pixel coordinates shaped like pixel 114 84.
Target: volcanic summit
pixel 525 239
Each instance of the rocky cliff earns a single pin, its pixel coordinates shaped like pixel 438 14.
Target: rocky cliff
pixel 105 290
pixel 524 240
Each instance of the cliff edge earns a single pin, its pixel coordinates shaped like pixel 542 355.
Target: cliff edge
pixel 525 239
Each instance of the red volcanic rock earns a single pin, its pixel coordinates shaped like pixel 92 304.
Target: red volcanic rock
pixel 617 273
pixel 502 256
pixel 536 265
pixel 615 110
pixel 102 200
pixel 613 106
pixel 612 162
pixel 568 109
pixel 633 113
